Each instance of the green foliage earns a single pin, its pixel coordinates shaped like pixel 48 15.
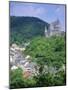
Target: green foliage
pixel 23 29
pixel 48 79
pixel 18 81
pixel 41 80
pixel 30 82
pixel 60 79
pixel 49 50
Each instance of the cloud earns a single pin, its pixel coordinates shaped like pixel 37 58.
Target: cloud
pixel 33 11
pixel 40 11
pixel 28 10
pixel 58 9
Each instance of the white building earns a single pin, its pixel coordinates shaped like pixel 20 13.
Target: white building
pixel 14 67
pixel 54 29
pixel 17 59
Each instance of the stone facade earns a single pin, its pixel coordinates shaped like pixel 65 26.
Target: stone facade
pixel 54 29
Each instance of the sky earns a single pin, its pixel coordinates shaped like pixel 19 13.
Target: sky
pixel 46 12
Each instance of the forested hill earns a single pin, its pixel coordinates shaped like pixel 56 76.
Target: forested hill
pixel 25 28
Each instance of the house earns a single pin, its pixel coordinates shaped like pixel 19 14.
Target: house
pixel 18 60
pixel 14 67
pixel 27 74
pixel 27 57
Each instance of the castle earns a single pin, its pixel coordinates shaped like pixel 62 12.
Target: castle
pixel 54 29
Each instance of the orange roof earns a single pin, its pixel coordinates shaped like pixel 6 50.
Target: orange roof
pixel 27 74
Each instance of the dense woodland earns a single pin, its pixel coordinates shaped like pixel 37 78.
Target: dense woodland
pixel 23 29
pixel 48 53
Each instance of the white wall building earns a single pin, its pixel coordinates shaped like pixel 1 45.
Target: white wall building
pixel 54 29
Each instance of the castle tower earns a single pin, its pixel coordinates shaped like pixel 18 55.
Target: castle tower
pixel 55 28
pixel 46 32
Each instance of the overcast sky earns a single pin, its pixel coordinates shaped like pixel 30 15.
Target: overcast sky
pixel 46 12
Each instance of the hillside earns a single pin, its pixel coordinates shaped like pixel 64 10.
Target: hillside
pixel 45 65
pixel 23 29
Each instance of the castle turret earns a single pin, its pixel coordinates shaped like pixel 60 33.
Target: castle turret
pixel 55 28
pixel 46 32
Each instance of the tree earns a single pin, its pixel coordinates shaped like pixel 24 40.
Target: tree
pixel 16 78
pixel 48 52
pixel 18 81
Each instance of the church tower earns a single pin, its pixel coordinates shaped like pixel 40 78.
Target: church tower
pixel 46 32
